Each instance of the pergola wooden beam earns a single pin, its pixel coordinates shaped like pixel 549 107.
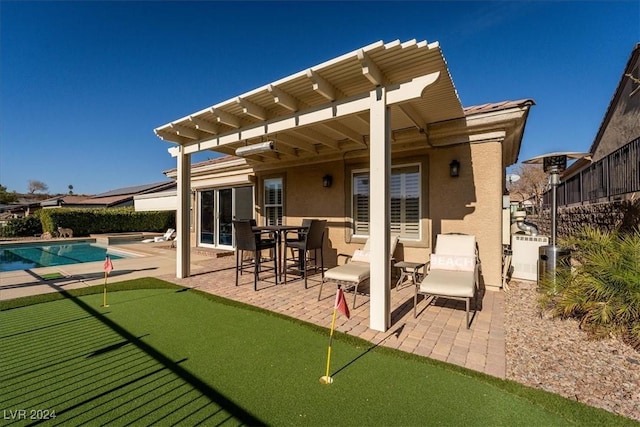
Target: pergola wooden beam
pixel 370 70
pixel 204 125
pixel 252 109
pixel 315 136
pixel 281 97
pixel 226 118
pixel 298 122
pixel 295 143
pixel 346 131
pixel 322 86
pixel 186 132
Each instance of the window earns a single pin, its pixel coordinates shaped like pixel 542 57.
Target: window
pixel 273 201
pixel 404 188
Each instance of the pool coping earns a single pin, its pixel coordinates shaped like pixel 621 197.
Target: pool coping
pixel 155 259
pixel 35 240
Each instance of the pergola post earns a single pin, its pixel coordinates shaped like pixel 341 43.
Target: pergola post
pixel 183 249
pixel 379 211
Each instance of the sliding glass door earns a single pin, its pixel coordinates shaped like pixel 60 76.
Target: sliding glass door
pixel 207 218
pixel 225 216
pixel 243 207
pixel 218 208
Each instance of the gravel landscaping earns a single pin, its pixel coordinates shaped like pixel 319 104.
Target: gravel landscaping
pixel 555 355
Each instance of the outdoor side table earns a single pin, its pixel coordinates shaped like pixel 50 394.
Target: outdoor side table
pixel 408 270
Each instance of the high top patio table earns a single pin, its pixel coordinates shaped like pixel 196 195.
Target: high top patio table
pixel 279 231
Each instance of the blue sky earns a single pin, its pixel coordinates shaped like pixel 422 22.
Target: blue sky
pixel 83 84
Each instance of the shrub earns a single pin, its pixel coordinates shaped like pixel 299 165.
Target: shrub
pixel 602 290
pixel 84 222
pixel 113 220
pixel 22 227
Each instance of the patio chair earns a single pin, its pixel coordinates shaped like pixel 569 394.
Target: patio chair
pixel 452 271
pixel 307 240
pixel 267 236
pixel 297 236
pixel 165 238
pixel 356 270
pixel 248 240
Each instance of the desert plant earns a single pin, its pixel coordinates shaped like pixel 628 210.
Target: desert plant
pixel 602 289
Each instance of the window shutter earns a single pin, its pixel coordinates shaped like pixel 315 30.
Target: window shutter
pixel 395 189
pixel 404 188
pixel 405 202
pixel 361 204
pixel 273 210
pixel 412 205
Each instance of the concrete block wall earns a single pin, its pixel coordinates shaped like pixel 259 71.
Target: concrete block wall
pixel 623 215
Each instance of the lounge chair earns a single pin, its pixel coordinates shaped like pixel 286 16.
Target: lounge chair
pixel 452 271
pixel 356 270
pixel 165 238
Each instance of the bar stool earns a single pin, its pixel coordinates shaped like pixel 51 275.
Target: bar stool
pixel 310 239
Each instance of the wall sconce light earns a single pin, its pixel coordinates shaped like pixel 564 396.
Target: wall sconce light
pixel 454 168
pixel 327 180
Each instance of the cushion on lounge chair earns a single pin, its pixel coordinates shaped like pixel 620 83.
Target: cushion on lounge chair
pixel 358 269
pixel 459 284
pixel 453 262
pixel 354 271
pixel 455 244
pixel 360 255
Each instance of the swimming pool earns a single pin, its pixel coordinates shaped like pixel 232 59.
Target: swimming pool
pixel 33 255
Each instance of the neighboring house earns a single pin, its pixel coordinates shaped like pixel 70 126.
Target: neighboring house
pixel 20 209
pixel 613 173
pixel 9 212
pixel 375 141
pixel 160 201
pixel 63 201
pixel 118 198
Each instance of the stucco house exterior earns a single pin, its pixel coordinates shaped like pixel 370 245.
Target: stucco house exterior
pixel 375 141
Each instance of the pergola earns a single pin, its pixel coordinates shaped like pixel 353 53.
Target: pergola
pixel 381 97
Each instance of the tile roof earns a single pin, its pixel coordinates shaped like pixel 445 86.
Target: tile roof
pixel 136 189
pixel 496 106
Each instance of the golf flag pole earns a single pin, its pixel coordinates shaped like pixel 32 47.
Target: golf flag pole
pixel 108 266
pixel 326 379
pixel 340 305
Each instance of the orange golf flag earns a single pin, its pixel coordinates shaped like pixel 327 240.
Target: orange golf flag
pixel 108 266
pixel 341 303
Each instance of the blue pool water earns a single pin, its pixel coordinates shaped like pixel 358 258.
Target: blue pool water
pixel 34 255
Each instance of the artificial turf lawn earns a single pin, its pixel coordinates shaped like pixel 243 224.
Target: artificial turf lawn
pixel 173 355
